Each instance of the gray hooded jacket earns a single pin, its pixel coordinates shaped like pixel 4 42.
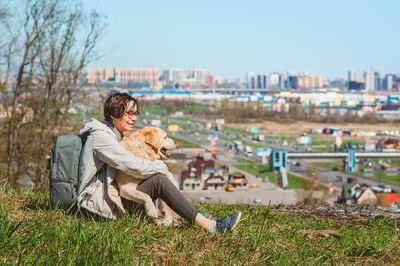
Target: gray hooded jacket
pixel 102 155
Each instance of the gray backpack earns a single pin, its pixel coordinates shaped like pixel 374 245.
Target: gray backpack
pixel 64 170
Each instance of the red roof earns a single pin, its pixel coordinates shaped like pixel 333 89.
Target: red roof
pixel 387 198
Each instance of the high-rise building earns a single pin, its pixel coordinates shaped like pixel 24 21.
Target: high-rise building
pixel 123 75
pixel 307 82
pixel 285 80
pixel 249 80
pixel 198 78
pixel 356 85
pixel 171 78
pixel 273 80
pixel 353 76
pixel 95 75
pixel 210 80
pixel 369 80
pixel 261 81
pixel 378 81
pixel 388 82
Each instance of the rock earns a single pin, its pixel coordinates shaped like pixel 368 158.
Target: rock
pixel 25 182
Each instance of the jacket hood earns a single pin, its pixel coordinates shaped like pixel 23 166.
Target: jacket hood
pixel 94 125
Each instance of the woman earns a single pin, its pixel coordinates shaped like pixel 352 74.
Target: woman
pixel 102 156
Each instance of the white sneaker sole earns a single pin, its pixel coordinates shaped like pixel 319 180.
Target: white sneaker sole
pixel 236 221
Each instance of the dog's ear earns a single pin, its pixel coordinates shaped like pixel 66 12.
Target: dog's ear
pixel 152 138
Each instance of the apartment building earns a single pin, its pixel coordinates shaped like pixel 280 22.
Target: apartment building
pixel 123 75
pixel 96 75
pixel 308 82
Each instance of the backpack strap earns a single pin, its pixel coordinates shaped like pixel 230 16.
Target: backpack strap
pixel 84 138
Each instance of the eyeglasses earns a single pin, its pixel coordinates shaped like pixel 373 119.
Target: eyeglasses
pixel 131 114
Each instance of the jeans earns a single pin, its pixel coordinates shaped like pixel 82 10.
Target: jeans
pixel 160 187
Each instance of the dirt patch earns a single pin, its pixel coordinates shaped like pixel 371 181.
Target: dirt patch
pixel 297 128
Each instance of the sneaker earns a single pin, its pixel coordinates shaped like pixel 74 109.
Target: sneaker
pixel 207 215
pixel 228 223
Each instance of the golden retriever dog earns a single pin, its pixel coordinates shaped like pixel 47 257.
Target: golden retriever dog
pixel 150 143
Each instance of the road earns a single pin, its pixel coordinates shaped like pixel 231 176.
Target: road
pixel 264 194
pixel 324 175
pixel 337 178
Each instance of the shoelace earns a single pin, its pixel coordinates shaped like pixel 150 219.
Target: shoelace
pixel 222 222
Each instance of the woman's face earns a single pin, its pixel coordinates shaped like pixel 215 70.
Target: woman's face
pixel 127 119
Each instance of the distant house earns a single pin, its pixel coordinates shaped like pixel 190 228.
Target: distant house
pixel 200 164
pixel 238 181
pixel 365 195
pixel 214 182
pixel 192 181
pixel 352 192
pixel 208 171
pixel 348 193
pixel 389 200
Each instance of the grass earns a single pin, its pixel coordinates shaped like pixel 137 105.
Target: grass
pixel 33 233
pixel 380 175
pixel 392 162
pixel 154 109
pixel 159 110
pixel 190 120
pixel 196 108
pixel 237 130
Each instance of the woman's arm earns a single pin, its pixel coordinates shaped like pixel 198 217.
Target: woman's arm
pixel 109 150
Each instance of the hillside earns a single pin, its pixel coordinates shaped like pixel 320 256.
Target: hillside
pixel 33 233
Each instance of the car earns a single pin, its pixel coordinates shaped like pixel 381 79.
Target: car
pixel 386 188
pixel 230 188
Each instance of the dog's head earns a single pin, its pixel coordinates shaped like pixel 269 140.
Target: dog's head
pixel 158 141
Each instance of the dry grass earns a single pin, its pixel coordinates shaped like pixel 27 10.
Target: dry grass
pixel 274 128
pixel 33 233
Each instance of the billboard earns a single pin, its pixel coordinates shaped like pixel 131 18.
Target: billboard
pixel 263 151
pixel 304 140
pixel 339 137
pixel 254 129
pixel 212 136
pixel 173 127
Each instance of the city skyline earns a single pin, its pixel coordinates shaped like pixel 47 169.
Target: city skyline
pixel 231 38
pixel 176 78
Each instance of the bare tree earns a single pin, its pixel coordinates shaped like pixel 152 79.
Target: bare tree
pixel 45 55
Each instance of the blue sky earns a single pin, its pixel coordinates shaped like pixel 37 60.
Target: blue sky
pixel 232 37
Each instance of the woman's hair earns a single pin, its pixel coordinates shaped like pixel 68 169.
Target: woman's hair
pixel 116 105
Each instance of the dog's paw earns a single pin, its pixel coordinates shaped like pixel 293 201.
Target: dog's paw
pixel 167 221
pixel 162 221
pixel 157 221
pixel 152 214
